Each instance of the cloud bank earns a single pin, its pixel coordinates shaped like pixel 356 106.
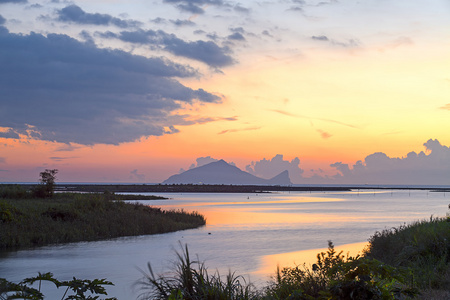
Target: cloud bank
pixel 74 14
pixel 194 6
pixel 59 89
pixel 268 168
pixel 431 167
pixel 207 52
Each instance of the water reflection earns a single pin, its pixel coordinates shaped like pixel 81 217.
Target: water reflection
pixel 269 263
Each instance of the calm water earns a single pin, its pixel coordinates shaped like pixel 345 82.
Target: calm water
pixel 247 233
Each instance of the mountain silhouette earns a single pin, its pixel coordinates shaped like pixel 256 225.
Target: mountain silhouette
pixel 220 172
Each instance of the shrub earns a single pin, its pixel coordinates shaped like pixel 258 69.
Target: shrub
pixel 335 276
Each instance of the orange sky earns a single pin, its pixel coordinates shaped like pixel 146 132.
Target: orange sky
pixel 332 83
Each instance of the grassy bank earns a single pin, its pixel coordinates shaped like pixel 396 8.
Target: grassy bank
pixel 72 217
pixel 423 249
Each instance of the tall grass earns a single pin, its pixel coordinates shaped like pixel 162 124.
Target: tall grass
pixel 191 281
pixel 423 247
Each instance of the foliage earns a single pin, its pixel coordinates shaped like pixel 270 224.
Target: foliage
pixel 73 217
pixel 13 191
pixel 47 184
pixel 194 283
pixel 335 276
pixel 79 288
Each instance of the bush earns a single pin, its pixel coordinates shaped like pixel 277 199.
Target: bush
pixel 335 276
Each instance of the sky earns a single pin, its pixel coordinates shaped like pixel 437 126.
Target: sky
pixel 334 91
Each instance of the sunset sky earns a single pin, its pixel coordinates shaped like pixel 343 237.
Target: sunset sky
pixel 335 91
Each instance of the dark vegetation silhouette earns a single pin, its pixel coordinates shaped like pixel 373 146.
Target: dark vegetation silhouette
pixel 76 289
pixel 39 216
pixel 46 187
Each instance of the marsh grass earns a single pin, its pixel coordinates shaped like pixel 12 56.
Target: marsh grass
pixel 191 280
pixel 73 217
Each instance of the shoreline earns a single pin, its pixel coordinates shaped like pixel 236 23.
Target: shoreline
pixel 218 188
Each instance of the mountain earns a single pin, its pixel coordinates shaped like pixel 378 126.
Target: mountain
pixel 220 172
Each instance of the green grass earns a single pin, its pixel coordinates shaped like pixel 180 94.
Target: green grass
pixel 422 247
pixel 73 217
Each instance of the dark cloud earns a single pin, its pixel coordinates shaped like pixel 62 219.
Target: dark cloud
pixel 268 168
pixel 159 21
pixel 75 14
pixel 296 8
pixel 13 1
pixel 194 6
pixel 348 43
pixel 59 89
pixel 241 9
pixel 320 38
pixel 299 4
pixel 204 51
pixel 67 147
pixel 236 37
pixel 33 6
pixel 2 20
pixel 425 168
pixel 199 31
pixel 9 134
pixel 181 23
pixel 134 175
pixel 87 36
pixel 267 33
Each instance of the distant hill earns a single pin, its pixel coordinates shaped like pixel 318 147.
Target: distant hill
pixel 220 172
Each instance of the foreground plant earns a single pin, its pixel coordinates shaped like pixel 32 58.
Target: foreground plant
pixel 78 287
pixel 335 276
pixel 191 281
